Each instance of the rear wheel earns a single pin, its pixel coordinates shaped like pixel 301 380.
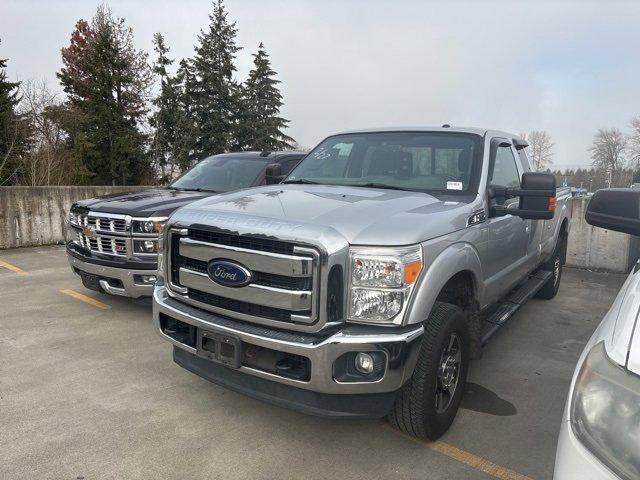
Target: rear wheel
pixel 553 265
pixel 427 404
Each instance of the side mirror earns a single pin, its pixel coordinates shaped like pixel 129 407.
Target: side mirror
pixel 273 173
pixel 615 209
pixel 537 194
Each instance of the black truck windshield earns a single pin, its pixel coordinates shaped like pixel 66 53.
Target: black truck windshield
pixel 417 161
pixel 222 173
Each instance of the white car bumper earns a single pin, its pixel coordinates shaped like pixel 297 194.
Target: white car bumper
pixel 575 462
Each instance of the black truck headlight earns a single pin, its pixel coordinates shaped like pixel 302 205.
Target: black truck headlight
pixel 381 281
pixel 605 413
pixel 75 218
pixel 148 226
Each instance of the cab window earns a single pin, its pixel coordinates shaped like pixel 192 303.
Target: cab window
pixel 505 171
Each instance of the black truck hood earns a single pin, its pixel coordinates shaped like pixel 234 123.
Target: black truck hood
pixel 143 203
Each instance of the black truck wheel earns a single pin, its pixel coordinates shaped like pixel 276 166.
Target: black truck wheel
pixel 554 265
pixel 427 403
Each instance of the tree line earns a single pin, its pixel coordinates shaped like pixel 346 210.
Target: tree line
pixel 112 126
pixel 614 154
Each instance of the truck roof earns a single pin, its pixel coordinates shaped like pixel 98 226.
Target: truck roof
pixel 440 128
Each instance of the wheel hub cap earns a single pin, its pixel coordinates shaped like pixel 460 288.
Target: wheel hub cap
pixel 448 372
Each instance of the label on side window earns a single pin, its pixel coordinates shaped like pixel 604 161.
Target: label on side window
pixel 454 185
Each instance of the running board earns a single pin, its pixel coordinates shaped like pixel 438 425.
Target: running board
pixel 512 303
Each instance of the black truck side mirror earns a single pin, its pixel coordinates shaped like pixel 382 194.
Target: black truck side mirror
pixel 615 209
pixel 537 194
pixel 273 173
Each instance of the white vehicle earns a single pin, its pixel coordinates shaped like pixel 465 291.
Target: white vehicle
pixel 600 433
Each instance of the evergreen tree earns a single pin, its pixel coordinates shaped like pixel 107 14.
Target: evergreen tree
pixel 106 81
pixel 185 144
pixel 14 128
pixel 214 93
pixel 261 127
pixel 170 121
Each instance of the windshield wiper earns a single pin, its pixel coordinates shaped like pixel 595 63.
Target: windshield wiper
pixel 192 189
pixel 381 185
pixel 303 181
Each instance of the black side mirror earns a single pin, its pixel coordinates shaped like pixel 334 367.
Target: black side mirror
pixel 273 173
pixel 615 209
pixel 537 194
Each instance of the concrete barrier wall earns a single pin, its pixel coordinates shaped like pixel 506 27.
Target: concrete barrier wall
pixel 37 215
pixel 596 248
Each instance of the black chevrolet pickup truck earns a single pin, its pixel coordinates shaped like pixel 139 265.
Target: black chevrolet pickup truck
pixel 114 238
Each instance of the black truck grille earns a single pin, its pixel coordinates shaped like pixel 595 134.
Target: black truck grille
pixel 242 241
pixel 240 307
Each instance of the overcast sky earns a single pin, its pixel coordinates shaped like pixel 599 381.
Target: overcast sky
pixel 568 67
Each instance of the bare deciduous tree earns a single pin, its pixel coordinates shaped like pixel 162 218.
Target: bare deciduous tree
pixel 608 153
pixel 634 144
pixel 540 149
pixel 47 162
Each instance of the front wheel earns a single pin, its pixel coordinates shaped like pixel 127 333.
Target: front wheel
pixel 427 404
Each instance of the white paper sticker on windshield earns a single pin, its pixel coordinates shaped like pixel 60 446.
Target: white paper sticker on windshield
pixel 454 185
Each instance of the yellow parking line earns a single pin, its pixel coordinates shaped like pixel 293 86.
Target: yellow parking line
pixel 475 461
pixel 470 459
pixel 85 299
pixel 13 268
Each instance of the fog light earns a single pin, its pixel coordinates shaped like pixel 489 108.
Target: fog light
pixel 148 279
pixel 364 363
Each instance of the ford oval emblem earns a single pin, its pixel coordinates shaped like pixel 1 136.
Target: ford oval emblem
pixel 229 274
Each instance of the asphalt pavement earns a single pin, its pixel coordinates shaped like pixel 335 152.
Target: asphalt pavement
pixel 89 391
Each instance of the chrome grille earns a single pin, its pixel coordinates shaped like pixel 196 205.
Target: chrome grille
pixel 258 278
pixel 284 290
pixel 108 223
pixel 102 244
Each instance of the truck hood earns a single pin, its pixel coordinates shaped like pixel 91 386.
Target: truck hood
pixel 143 203
pixel 363 216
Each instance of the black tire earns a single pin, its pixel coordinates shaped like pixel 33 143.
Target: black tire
pixel 553 265
pixel 415 410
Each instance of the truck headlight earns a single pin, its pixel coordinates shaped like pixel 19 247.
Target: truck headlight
pixel 75 218
pixel 148 226
pixel 381 281
pixel 605 413
pixel 145 246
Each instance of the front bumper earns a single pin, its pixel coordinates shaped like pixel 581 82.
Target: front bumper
pixel 114 280
pixel 321 394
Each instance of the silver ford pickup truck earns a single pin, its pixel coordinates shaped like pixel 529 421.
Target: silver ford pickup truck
pixel 365 283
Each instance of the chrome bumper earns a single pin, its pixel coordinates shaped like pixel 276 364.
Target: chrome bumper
pixel 130 287
pixel 322 354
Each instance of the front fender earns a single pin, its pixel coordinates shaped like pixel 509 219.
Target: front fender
pixel 454 259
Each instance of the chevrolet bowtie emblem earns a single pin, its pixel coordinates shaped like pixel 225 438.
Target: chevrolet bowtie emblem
pixel 88 231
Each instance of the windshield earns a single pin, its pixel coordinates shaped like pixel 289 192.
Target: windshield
pixel 222 173
pixel 419 161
